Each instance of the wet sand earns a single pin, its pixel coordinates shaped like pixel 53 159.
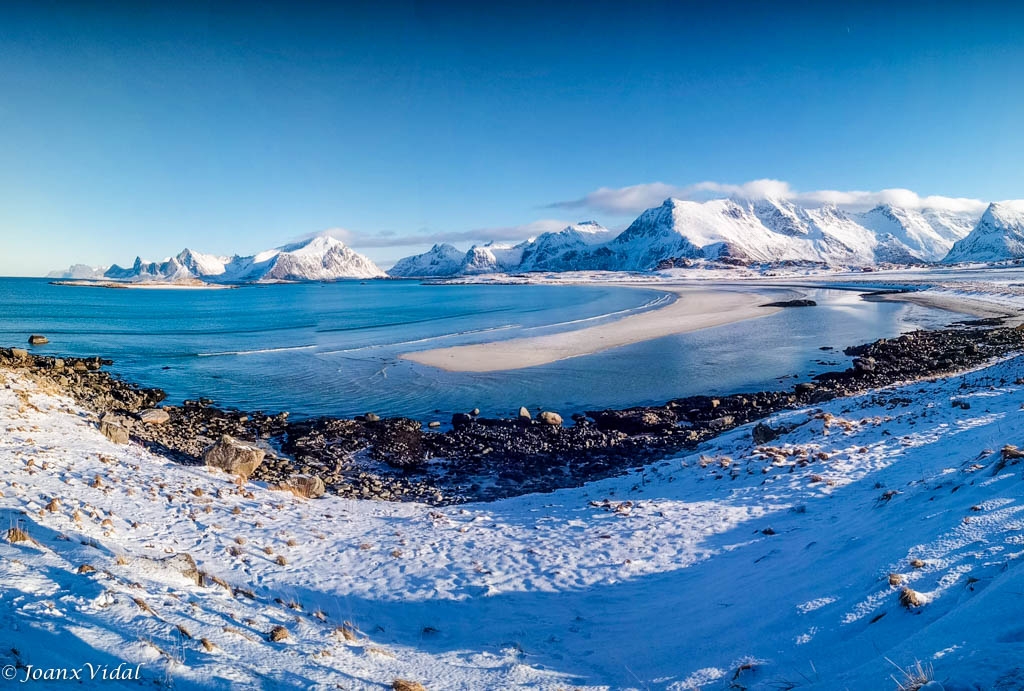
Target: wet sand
pixel 695 308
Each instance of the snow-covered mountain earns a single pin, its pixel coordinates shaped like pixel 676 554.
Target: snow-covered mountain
pixel 998 236
pixel 78 271
pixel 558 251
pixel 320 258
pixel 756 231
pixel 440 260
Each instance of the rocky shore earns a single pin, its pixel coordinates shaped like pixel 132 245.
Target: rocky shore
pixel 481 458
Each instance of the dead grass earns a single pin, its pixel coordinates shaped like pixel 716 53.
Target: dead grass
pixel 911 599
pixel 912 678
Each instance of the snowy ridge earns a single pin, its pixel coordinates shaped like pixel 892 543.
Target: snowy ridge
pixel 747 231
pixel 320 258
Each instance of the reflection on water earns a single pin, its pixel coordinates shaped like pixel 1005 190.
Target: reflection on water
pixel 332 348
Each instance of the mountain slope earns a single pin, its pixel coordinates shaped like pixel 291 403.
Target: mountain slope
pixel 998 236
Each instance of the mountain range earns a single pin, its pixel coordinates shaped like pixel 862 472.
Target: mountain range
pixel 746 231
pixel 727 230
pixel 320 258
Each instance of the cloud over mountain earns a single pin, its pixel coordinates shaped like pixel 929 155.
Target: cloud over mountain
pixel 635 198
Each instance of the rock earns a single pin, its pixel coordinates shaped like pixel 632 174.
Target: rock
pixel 791 303
pixel 154 416
pixel 763 434
pixel 461 419
pixel 19 353
pixel 634 420
pixel 550 418
pixel 404 685
pixel 805 388
pixel 233 456
pixel 305 486
pixel 524 414
pixel 112 429
pixel 864 364
pixel 433 423
pixel 36 339
pixel 372 417
pixel 475 412
pixel 721 423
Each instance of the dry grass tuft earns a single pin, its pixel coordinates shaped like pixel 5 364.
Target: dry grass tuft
pixel 911 599
pixel 914 678
pixel 18 535
pixel 405 685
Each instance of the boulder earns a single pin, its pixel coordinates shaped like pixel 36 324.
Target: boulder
pixel 524 414
pixel 305 486
pixel 113 429
pixel 233 456
pixel 372 417
pixel 433 423
pixel 36 339
pixel 721 423
pixel 864 364
pixel 764 434
pixel 461 419
pixel 634 420
pixel 550 418
pixel 154 416
pixel 19 353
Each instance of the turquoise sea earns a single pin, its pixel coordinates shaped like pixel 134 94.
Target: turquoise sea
pixel 331 349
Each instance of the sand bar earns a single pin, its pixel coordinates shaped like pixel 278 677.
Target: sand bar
pixel 695 308
pixel 961 304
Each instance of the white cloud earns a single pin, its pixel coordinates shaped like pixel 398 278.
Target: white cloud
pixel 636 198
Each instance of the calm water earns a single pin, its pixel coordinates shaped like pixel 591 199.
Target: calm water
pixel 332 348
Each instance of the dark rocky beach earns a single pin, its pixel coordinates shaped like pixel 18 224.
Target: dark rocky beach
pixel 482 458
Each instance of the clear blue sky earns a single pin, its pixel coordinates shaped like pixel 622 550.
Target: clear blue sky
pixel 141 129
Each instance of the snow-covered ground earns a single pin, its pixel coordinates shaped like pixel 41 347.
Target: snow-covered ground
pixel 732 567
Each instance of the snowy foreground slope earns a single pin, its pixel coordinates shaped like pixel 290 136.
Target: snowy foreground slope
pixel 733 567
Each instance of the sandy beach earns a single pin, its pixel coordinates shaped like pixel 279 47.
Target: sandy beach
pixel 696 308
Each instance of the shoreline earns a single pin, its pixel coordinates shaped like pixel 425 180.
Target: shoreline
pixel 694 308
pixel 960 304
pixel 483 459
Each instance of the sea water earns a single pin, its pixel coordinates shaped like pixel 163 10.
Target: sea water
pixel 332 349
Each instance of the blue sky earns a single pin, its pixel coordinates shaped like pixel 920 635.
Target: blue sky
pixel 145 128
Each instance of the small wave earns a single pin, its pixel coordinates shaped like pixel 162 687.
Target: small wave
pixel 657 302
pixel 421 340
pixel 385 325
pixel 255 352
